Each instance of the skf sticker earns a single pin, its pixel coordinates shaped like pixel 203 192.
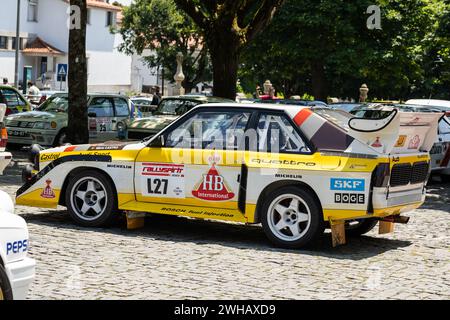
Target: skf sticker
pixel 357 185
pixel 213 187
pixel 400 142
pixel 414 143
pixel 48 191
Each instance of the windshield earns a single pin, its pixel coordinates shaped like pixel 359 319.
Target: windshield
pixel 338 117
pixel 444 125
pixel 55 104
pixel 175 107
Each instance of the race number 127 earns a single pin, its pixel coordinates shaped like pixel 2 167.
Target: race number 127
pixel 157 186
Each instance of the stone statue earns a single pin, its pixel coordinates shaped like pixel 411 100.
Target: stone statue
pixel 363 93
pixel 179 76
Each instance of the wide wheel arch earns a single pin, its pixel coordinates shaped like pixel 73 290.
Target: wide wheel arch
pixel 279 184
pixel 62 196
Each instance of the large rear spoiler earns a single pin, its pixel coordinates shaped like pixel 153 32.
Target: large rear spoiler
pixel 398 133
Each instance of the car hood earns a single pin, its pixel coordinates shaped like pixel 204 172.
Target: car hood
pixel 153 123
pixel 36 116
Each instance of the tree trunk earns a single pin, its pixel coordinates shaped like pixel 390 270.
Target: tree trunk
pixel 225 62
pixel 77 130
pixel 319 82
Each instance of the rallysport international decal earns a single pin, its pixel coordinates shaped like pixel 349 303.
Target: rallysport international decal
pixel 47 192
pixel 212 187
pixel 163 180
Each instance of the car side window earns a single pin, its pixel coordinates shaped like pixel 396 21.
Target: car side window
pixel 102 107
pixel 11 98
pixel 444 126
pixel 121 106
pixel 276 134
pixel 219 130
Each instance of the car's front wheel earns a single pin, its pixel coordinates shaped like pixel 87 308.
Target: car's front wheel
pixel 292 218
pixel 5 286
pixel 91 199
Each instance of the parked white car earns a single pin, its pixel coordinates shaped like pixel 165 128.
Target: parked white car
pixel 16 269
pixel 5 157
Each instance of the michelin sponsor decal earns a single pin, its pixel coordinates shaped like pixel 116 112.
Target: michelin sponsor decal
pixel 163 180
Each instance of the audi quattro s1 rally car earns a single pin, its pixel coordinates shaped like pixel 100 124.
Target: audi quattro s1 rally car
pixel 293 169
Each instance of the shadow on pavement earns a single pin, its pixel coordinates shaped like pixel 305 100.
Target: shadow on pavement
pixel 179 229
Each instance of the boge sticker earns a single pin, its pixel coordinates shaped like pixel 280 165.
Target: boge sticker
pixel 163 180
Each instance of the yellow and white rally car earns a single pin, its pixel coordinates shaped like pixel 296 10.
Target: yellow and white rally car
pixel 295 170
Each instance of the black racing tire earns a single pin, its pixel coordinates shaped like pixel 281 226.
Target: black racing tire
pixel 361 227
pixel 5 287
pixel 273 220
pixel 101 211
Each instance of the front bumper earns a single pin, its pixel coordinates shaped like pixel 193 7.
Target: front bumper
pixel 31 136
pixel 5 159
pixel 21 275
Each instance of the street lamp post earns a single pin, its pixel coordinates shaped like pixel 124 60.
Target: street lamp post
pixel 16 67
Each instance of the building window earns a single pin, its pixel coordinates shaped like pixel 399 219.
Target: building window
pixel 109 18
pixel 32 10
pixel 3 42
pixel 14 43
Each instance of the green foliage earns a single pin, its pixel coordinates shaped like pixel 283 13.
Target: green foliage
pixel 159 26
pixel 324 47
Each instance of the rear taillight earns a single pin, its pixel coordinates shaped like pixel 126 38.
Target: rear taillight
pixel 381 175
pixel 4 137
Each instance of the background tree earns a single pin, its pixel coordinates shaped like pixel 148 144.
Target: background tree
pixel 159 26
pixel 77 129
pixel 325 48
pixel 228 26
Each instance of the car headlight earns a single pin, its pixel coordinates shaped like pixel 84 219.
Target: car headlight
pixel 42 125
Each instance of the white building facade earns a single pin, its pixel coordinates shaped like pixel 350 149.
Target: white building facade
pixel 44 37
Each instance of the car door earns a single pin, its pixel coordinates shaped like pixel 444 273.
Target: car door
pixel 101 119
pixel 197 165
pixel 440 154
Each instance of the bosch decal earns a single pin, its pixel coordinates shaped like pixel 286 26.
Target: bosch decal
pixel 358 185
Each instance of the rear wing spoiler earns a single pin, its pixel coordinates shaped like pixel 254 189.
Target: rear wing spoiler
pixel 398 133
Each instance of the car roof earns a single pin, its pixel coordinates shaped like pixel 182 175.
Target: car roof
pixel 95 94
pixel 200 98
pixel 265 106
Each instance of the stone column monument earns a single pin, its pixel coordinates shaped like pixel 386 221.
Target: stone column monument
pixel 179 76
pixel 363 93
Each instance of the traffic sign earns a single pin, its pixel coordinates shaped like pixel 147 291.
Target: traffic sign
pixel 62 71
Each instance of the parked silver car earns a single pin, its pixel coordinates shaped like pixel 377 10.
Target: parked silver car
pixel 47 125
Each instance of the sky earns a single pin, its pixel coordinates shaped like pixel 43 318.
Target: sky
pixel 124 2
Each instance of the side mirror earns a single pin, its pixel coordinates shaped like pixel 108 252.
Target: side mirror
pixel 158 142
pixel 92 115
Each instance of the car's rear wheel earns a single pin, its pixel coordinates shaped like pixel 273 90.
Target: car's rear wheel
pixel 91 199
pixel 355 228
pixel 292 218
pixel 5 286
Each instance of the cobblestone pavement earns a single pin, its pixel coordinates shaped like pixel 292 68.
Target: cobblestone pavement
pixel 177 258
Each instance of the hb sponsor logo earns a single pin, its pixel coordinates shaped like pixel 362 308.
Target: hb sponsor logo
pixel 357 185
pixel 351 198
